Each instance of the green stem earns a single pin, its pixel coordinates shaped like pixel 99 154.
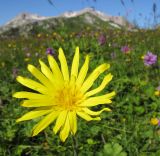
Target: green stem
pixel 103 139
pixel 75 145
pixel 118 129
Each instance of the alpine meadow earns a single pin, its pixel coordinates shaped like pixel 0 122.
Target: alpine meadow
pixel 82 85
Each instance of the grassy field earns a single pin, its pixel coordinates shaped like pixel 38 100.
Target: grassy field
pixel 130 129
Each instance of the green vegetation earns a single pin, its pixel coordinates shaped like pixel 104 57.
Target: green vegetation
pixel 124 131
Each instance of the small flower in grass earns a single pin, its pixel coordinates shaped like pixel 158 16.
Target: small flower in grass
pixel 39 35
pixel 102 39
pixel 50 51
pixel 125 49
pixel 26 59
pixel 36 54
pixel 150 59
pixel 3 64
pixel 9 45
pixel 113 55
pixel 157 92
pixel 14 72
pixel 62 96
pixel 142 57
pixel 154 121
pixel 28 54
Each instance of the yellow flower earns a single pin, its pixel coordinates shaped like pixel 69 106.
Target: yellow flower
pixel 26 59
pixel 142 57
pixel 96 34
pixel 39 35
pixel 88 28
pixel 154 121
pixel 62 96
pixel 124 119
pixel 3 64
pixel 9 45
pixel 128 60
pixel 54 34
pixel 71 35
pixel 157 93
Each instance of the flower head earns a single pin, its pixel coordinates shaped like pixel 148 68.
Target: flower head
pixel 154 121
pixel 125 49
pixel 113 55
pixel 142 57
pixel 102 39
pixel 157 92
pixel 62 96
pixel 150 59
pixel 39 35
pixel 28 54
pixel 14 72
pixel 50 51
pixel 36 54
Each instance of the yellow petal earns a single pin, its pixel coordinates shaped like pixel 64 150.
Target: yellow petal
pixel 38 102
pixel 86 116
pixel 90 112
pixel 83 72
pixel 29 95
pixel 60 121
pixel 32 84
pixel 37 74
pixel 75 63
pixel 47 72
pixel 105 81
pixel 94 101
pixel 64 66
pixel 55 68
pixel 44 122
pixel 73 121
pixel 65 131
pixel 34 114
pixel 93 76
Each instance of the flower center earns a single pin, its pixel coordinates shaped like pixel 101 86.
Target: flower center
pixel 68 97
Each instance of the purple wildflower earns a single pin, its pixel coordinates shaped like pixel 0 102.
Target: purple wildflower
pixel 125 49
pixel 50 51
pixel 113 55
pixel 102 39
pixel 150 59
pixel 159 122
pixel 79 35
pixel 158 88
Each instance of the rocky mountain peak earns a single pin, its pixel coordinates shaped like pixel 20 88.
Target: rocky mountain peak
pixel 24 18
pixel 104 17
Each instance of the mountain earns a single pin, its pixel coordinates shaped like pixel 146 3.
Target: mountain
pixel 23 19
pixel 115 19
pixel 26 22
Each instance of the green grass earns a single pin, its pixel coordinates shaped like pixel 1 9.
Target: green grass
pixel 124 131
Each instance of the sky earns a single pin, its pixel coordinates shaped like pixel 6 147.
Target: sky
pixel 137 11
